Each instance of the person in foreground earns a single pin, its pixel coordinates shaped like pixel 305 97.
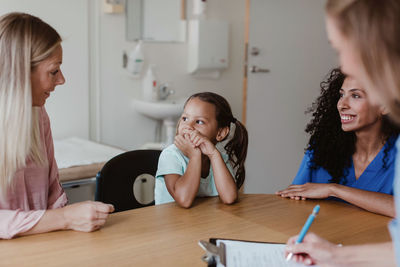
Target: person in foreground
pixel 193 166
pixel 31 198
pixel 366 33
pixel 351 151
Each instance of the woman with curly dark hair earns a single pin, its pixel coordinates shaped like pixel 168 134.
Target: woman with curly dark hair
pixel 366 35
pixel 351 151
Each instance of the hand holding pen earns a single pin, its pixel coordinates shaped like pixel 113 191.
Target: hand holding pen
pixel 304 230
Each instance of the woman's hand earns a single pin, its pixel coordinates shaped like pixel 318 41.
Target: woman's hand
pixel 313 250
pixel 308 190
pixel 86 216
pixel 318 251
pixel 184 144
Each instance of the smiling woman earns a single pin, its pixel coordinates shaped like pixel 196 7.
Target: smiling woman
pixel 31 198
pixel 366 34
pixel 350 154
pixel 356 112
pixel 45 76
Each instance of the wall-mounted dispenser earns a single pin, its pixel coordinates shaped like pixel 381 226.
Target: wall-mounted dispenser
pixel 135 61
pixel 208 47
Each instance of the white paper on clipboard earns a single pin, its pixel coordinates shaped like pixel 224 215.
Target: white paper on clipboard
pixel 248 254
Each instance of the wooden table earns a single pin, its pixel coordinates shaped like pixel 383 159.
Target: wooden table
pixel 167 235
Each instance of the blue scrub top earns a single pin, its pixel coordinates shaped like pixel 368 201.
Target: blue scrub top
pixel 374 178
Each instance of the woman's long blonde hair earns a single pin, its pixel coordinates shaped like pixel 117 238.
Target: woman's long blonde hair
pixel 373 27
pixel 25 41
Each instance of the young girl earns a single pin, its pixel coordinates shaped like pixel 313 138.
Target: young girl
pixel 193 166
pixel 351 150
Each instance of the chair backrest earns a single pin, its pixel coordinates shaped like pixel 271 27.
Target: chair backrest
pixel 115 182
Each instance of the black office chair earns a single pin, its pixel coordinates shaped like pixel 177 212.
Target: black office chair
pixel 115 182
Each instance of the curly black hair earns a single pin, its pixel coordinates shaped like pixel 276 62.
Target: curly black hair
pixel 332 147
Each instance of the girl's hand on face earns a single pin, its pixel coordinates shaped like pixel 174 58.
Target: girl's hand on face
pixel 304 191
pixel 202 142
pixel 186 146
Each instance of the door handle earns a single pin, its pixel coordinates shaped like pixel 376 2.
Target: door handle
pixel 255 69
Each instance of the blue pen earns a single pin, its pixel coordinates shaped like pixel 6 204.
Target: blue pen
pixel 305 229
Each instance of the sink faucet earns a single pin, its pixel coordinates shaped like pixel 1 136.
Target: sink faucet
pixel 164 92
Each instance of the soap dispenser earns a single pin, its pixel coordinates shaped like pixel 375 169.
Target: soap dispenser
pixel 136 60
pixel 150 91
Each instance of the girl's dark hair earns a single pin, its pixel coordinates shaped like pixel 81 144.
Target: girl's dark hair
pixel 332 147
pixel 236 148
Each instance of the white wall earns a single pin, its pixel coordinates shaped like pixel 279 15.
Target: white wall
pixel 68 105
pixel 88 32
pixel 121 125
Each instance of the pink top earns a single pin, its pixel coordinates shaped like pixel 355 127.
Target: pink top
pixel 37 189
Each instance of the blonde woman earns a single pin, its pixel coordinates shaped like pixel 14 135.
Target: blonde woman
pixel 366 33
pixel 31 198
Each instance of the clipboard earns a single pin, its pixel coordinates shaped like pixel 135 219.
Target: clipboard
pixel 215 254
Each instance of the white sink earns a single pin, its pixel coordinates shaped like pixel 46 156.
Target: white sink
pixel 167 111
pixel 160 110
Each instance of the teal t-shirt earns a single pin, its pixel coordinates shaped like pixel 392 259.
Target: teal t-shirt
pixel 172 161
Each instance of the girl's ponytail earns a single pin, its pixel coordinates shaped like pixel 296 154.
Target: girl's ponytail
pixel 236 149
